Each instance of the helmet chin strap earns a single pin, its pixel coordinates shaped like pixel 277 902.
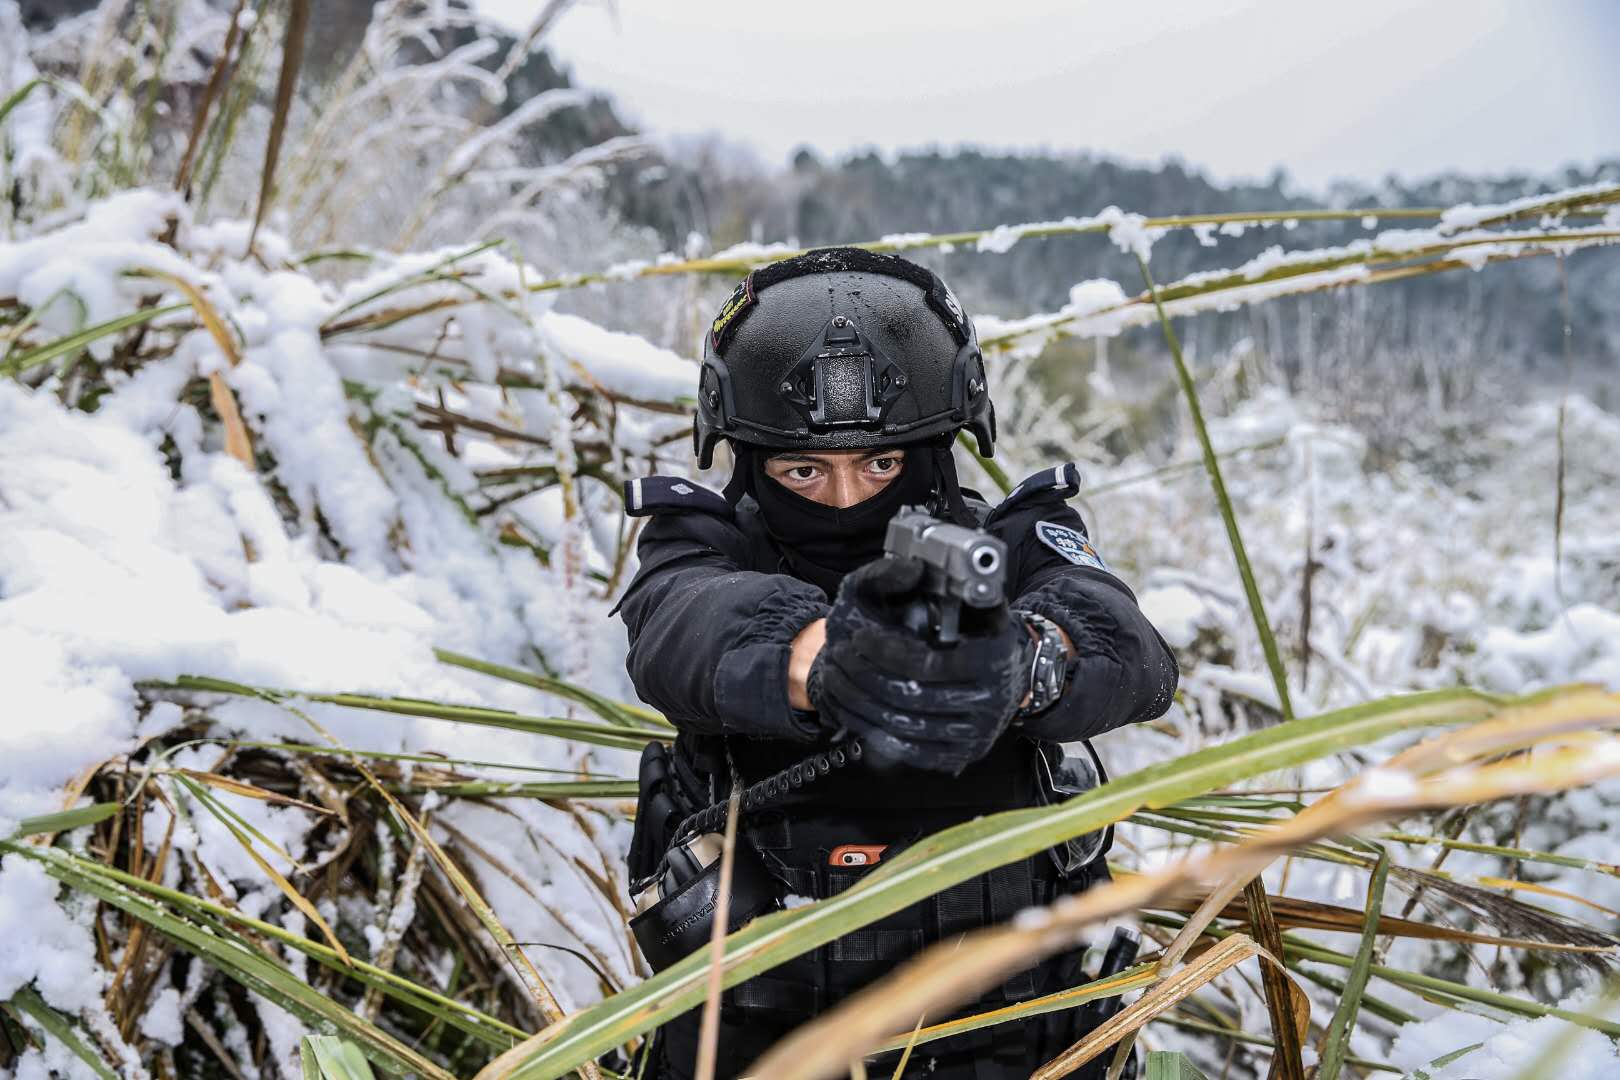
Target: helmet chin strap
pixel 741 469
pixel 949 488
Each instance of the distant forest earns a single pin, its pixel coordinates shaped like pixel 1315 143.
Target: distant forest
pixel 1506 320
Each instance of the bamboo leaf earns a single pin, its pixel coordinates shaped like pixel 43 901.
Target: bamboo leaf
pixel 1423 984
pixel 709 1026
pixel 1311 915
pixel 436 272
pixel 499 789
pixel 292 55
pixel 1336 1043
pixel 1132 978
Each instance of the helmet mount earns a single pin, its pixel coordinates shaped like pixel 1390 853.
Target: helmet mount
pixel 844 380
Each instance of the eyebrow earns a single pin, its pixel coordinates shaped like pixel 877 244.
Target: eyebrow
pixel 813 459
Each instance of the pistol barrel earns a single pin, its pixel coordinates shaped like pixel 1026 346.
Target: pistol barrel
pixel 967 565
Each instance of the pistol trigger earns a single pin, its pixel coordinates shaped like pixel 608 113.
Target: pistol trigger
pixel 950 621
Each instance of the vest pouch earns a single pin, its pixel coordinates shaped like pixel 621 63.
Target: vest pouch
pixel 659 809
pixel 682 920
pixel 1061 774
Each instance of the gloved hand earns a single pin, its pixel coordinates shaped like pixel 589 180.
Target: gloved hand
pixel 909 700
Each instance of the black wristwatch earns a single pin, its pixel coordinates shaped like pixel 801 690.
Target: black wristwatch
pixel 1049 671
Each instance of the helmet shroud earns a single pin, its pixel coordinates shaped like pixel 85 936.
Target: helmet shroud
pixel 838 349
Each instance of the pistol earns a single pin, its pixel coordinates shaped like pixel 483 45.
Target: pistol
pixel 964 566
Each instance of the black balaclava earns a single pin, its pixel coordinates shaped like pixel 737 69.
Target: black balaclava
pixel 823 543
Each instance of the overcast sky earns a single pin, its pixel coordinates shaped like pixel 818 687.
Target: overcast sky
pixel 1235 87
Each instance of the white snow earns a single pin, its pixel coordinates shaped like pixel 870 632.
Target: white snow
pixel 1508 1048
pixel 42 943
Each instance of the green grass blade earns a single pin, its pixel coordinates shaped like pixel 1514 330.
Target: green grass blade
pixel 1256 1040
pixel 1376 1006
pixel 18 96
pixel 620 736
pixel 1131 978
pixel 616 711
pixel 74 871
pixel 1212 465
pixel 992 469
pixel 1337 1043
pixel 327 1057
pixel 66 819
pixel 1419 982
pixel 432 273
pixel 388 755
pixel 500 789
pixel 1441 1062
pixel 28 1002
pixel 72 343
pixel 267 977
pixel 1169 1065
pixel 974 848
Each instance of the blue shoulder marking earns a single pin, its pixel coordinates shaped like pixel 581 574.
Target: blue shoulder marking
pixel 1062 479
pixel 647 495
pixel 1072 544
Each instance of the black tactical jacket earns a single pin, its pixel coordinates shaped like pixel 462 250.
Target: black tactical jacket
pixel 713 611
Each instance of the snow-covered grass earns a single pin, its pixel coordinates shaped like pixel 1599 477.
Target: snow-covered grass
pixel 256 509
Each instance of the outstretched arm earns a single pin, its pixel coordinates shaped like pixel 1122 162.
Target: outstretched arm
pixel 711 644
pixel 1125 673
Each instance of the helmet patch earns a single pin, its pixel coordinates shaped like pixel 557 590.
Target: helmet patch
pixel 735 305
pixel 1069 543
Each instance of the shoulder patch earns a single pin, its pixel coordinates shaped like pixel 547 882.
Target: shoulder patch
pixel 649 494
pixel 1072 544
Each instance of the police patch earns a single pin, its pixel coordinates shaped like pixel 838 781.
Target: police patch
pixel 1069 543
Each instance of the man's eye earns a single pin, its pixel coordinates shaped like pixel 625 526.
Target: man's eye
pixel 802 472
pixel 883 464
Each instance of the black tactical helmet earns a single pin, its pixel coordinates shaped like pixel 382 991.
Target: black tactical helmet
pixel 841 348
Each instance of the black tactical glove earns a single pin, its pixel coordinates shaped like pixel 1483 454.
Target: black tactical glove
pixel 909 700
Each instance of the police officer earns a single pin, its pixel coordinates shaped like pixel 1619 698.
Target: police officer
pixel 765 623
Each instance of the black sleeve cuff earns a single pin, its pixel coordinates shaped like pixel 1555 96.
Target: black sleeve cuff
pixel 1123 674
pixel 751 680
